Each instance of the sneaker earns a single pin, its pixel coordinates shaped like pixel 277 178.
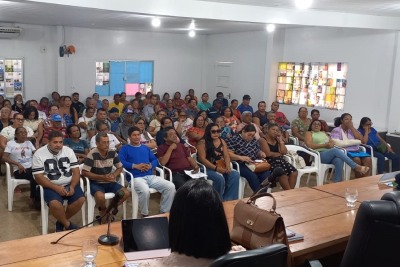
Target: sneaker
pixel 59 227
pixel 72 226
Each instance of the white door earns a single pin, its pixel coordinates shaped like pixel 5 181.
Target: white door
pixel 222 75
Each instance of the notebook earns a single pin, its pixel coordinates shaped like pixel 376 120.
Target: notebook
pixel 145 238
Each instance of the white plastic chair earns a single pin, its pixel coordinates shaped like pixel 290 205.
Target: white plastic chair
pixel 12 183
pixel 91 203
pixel 315 168
pixel 294 139
pixel 45 209
pixel 375 161
pixel 135 198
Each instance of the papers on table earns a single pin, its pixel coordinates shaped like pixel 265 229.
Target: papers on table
pixel 293 236
pixel 196 175
pixel 388 177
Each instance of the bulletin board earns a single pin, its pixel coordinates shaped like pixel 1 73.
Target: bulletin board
pixel 11 77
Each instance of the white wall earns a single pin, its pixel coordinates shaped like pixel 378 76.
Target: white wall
pixel 369 55
pixel 40 72
pixel 247 51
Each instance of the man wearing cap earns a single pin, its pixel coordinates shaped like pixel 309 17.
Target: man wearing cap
pixel 245 106
pixel 114 119
pixel 220 96
pixel 122 131
pixel 117 104
pixel 215 111
pixel 56 125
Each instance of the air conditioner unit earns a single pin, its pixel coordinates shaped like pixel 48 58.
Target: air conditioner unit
pixel 9 32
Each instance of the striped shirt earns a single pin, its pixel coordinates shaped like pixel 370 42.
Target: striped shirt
pixel 97 164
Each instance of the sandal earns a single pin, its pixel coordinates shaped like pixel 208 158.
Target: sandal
pixel 364 170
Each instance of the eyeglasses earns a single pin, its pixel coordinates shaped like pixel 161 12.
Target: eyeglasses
pixel 216 131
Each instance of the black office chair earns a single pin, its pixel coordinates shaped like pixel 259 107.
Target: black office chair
pixel 274 255
pixel 376 233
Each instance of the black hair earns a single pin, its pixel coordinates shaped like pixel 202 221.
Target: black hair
pixel 101 109
pixel 225 108
pixel 166 130
pixel 29 110
pixel 301 108
pixel 54 134
pixel 234 100
pixel 204 94
pixel 69 129
pixel 261 102
pixel 363 121
pixel 164 119
pixel 197 222
pixel 99 123
pixel 314 110
pixel 17 130
pixel 133 129
pixel 248 128
pixel 195 120
pixel 337 121
pixel 99 136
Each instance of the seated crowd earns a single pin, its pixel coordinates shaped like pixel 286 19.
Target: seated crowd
pixel 146 132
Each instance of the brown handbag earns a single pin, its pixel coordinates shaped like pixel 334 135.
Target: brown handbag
pixel 259 166
pixel 254 227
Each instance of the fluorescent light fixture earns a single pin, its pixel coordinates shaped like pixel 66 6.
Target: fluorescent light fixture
pixel 270 27
pixel 156 22
pixel 192 33
pixel 192 26
pixel 303 4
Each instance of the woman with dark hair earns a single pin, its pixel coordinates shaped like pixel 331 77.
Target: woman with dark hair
pixel 275 149
pixel 164 100
pixel 32 121
pixel 381 149
pixel 80 147
pixel 196 132
pixel 321 142
pixel 55 98
pixel 18 105
pixel 178 102
pixel 198 230
pixel 244 148
pixel 235 111
pixel 98 101
pixel 145 137
pixel 212 151
pixel 347 137
pixel 230 120
pixel 300 125
pixel 18 153
pixel 68 112
pixel 7 103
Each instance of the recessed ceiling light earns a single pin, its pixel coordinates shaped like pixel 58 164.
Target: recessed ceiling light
pixel 192 33
pixel 192 26
pixel 156 22
pixel 270 27
pixel 303 4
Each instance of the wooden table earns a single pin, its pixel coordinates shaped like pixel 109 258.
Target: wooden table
pixel 368 188
pixel 319 213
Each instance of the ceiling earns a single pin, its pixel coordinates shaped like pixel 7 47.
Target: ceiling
pixel 35 12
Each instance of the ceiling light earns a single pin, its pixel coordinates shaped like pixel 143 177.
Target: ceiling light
pixel 156 22
pixel 192 26
pixel 270 27
pixel 192 33
pixel 303 4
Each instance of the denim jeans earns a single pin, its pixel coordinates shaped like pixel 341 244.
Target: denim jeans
pixel 227 185
pixel 381 161
pixel 254 179
pixel 336 157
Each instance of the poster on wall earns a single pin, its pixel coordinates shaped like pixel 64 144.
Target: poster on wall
pixel 312 84
pixel 11 77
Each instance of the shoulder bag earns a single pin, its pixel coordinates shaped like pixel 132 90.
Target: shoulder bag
pixel 297 160
pixel 259 166
pixel 254 227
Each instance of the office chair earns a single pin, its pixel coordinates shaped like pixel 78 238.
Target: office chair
pixel 274 255
pixel 376 232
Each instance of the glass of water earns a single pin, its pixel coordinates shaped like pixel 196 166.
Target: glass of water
pixel 89 252
pixel 351 196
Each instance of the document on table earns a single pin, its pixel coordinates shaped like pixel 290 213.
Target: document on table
pixel 196 175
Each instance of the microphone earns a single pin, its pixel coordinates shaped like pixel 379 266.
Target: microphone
pixel 115 201
pixel 271 180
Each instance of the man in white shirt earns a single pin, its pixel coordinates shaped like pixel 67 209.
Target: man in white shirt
pixel 55 167
pixel 102 127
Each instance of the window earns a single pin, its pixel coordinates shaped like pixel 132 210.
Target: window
pixel 312 84
pixel 124 76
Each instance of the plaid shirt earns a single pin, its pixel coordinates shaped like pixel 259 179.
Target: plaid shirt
pixel 243 148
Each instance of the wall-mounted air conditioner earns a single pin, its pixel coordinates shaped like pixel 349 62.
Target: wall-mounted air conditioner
pixel 9 32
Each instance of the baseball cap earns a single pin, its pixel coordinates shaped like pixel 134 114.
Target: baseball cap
pixel 113 110
pixel 247 97
pixel 128 111
pixel 246 112
pixel 218 100
pixel 56 117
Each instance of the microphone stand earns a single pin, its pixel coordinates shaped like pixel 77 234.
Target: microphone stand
pixel 109 239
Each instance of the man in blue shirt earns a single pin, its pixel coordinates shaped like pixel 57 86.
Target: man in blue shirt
pixel 139 160
pixel 215 111
pixel 245 106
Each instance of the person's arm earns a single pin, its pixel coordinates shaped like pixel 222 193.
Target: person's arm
pixel 192 134
pixel 75 114
pixel 164 158
pixel 226 156
pixel 152 130
pixel 194 164
pixel 202 156
pixel 365 136
pixel 39 134
pixel 309 142
pixel 384 142
pixel 256 120
pixel 3 142
pixel 296 133
pixel 6 158
pixel 42 180
pixel 178 126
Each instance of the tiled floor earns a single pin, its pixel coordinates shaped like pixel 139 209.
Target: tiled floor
pixel 25 221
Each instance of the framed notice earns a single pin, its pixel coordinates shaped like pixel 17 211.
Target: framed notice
pixel 11 77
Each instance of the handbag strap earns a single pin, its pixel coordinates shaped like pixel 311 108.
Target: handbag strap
pixel 252 199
